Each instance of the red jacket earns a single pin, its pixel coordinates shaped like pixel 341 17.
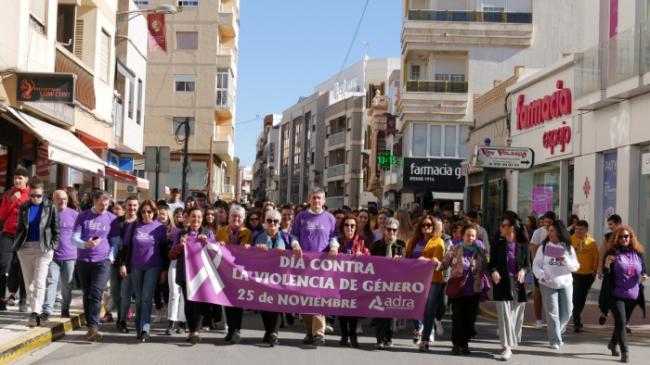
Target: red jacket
pixel 9 209
pixel 358 245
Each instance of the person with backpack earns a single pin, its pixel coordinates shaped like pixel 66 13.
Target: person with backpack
pixel 553 266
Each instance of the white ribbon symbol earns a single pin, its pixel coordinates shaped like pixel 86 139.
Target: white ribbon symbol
pixel 209 270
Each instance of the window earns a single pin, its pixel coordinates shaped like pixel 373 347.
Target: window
pixel 141 2
pixel 188 3
pixel 419 140
pixel 131 98
pixel 415 72
pixel 105 56
pixel 187 40
pixel 462 137
pixel 222 87
pixel 435 138
pixel 65 24
pixel 38 14
pixel 493 9
pixel 138 117
pixel 450 77
pixel 185 83
pixel 177 122
pixel 450 140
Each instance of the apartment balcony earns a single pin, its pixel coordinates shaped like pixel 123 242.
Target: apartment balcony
pixel 618 69
pixel 228 21
pixel 336 171
pixel 225 103
pixel 228 192
pixel 336 139
pixel 227 58
pixel 429 28
pixel 335 202
pixel 424 101
pixel 84 86
pixel 223 143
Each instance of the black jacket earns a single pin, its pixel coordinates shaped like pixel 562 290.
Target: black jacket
pixel 609 283
pixel 379 248
pixel 48 227
pixel 180 260
pixel 499 263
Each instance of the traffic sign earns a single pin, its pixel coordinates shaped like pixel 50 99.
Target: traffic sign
pixel 516 158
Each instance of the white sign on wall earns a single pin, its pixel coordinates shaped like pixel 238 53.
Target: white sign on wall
pixel 645 164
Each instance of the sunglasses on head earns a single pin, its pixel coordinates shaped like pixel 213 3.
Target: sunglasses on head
pixel 273 221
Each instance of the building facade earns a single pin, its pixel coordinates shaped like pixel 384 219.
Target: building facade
pixel 260 167
pixel 453 51
pixel 68 136
pixel 195 82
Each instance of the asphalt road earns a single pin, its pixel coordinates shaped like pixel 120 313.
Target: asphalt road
pixel 121 349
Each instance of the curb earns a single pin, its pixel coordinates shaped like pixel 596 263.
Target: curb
pixel 39 337
pixel 605 332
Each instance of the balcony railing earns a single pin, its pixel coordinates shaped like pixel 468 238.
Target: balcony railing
pixel 437 86
pixel 336 138
pixel 85 86
pixel 471 16
pixel 336 170
pixel 228 189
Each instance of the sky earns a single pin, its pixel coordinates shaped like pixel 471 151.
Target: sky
pixel 286 47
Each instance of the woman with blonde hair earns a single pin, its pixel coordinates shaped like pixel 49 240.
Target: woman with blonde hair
pixel 405 227
pixel 427 244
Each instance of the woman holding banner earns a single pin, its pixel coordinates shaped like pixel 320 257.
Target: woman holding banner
pixel 350 243
pixel 553 266
pixel 467 284
pixel 428 244
pixel 195 233
pixel 271 239
pixel 509 263
pixel 235 234
pixel 388 246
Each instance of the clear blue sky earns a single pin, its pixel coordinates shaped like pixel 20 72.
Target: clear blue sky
pixel 287 47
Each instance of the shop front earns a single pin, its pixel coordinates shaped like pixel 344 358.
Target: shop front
pixel 543 119
pixel 434 182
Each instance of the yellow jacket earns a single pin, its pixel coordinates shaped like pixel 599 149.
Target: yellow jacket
pixel 435 248
pixel 245 235
pixel 587 254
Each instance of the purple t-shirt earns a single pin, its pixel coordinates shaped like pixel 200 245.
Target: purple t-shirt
pixel 510 258
pixel 66 250
pixel 467 262
pixel 314 231
pixel 418 248
pixel 91 224
pixel 627 269
pixel 147 240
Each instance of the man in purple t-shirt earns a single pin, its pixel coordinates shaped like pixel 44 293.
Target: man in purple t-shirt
pixel 65 257
pixel 314 230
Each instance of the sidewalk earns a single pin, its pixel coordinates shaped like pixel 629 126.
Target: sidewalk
pixel 640 326
pixel 18 339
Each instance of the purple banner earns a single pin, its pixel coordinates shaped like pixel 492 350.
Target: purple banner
pixel 364 286
pixel 542 199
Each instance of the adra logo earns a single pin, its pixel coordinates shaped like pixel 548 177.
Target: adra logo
pixel 376 304
pixel 397 303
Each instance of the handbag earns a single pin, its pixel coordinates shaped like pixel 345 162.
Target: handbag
pixel 456 287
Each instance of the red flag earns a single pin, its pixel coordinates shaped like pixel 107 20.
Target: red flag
pixel 157 32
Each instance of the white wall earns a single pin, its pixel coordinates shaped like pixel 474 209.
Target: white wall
pixel 103 89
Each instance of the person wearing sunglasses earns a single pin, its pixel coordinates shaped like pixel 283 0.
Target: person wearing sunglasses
pixel 427 244
pixel 37 236
pixel 253 223
pixel 509 263
pixel 554 263
pixel 623 270
pixel 143 257
pixel 271 239
pixel 351 243
pixel 388 246
pixel 235 233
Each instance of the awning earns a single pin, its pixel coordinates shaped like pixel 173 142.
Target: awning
pixel 120 176
pixel 448 196
pixel 63 147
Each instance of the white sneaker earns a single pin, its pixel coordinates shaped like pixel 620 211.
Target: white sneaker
pixel 440 330
pixel 359 329
pixel 554 346
pixel 504 356
pixel 329 329
pixel 539 324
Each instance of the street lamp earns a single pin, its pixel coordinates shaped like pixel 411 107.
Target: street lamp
pixel 160 9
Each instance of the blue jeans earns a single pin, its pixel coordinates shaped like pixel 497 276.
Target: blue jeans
pixel 121 291
pixel 558 305
pixel 430 310
pixel 59 270
pixel 144 285
pixel 93 277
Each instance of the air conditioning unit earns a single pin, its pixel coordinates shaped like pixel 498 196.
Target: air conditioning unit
pixel 131 189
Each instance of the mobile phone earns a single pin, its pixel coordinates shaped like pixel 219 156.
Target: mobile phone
pixel 95 238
